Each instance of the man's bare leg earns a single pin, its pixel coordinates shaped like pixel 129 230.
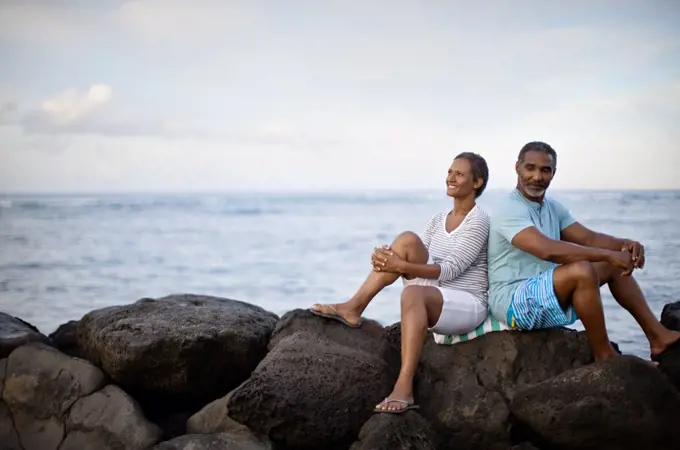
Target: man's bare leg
pixel 421 307
pixel 578 284
pixel 628 294
pixel 410 248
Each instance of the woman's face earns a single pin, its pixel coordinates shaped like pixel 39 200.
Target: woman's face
pixel 460 182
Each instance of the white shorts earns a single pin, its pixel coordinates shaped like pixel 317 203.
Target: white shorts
pixel 461 311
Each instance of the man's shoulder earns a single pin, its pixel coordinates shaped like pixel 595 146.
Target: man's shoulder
pixel 509 205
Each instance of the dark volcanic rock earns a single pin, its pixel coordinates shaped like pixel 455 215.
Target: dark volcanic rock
pixel 464 389
pixel 407 431
pixel 179 347
pixel 524 446
pixel 318 384
pixel 669 364
pixel 669 361
pixel 15 332
pixel 670 316
pixel 621 403
pixel 219 441
pixel 65 339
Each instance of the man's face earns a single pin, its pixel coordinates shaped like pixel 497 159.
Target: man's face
pixel 535 172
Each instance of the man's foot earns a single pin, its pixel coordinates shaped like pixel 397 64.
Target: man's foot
pixel 664 343
pixel 338 312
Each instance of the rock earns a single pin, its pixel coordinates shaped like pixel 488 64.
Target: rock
pixel 219 441
pixel 621 403
pixel 464 389
pixel 178 347
pixel 318 384
pixel 41 384
pixel 669 364
pixel 109 420
pixel 524 446
pixel 669 361
pixel 177 353
pixel 670 316
pixel 65 339
pixel 407 431
pixel 3 374
pixel 214 418
pixel 14 332
pixel 8 435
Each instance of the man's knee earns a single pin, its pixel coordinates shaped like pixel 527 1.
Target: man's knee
pixel 583 272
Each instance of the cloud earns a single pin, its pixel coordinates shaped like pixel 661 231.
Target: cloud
pixel 68 110
pixel 91 112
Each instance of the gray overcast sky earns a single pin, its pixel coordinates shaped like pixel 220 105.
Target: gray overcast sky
pixel 330 94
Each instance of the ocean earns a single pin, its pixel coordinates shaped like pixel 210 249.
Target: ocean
pixel 64 255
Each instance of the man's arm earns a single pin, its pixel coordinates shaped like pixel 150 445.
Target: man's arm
pixel 581 235
pixel 578 234
pixel 532 241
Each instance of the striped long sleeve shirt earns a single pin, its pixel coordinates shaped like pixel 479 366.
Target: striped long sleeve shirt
pixel 461 253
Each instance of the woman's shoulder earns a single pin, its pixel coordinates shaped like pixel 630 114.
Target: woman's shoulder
pixel 478 215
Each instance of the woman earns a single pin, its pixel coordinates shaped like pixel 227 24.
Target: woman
pixel 445 276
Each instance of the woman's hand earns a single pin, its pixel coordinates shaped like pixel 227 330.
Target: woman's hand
pixel 384 259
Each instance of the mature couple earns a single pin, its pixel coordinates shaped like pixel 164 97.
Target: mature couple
pixel 531 266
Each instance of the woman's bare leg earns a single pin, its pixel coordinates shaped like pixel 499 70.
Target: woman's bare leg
pixel 421 307
pixel 409 247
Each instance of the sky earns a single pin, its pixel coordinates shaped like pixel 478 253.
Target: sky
pixel 221 95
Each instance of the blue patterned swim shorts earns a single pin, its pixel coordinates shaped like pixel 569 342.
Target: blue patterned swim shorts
pixel 535 306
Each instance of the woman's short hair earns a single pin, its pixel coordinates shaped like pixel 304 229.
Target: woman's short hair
pixel 479 169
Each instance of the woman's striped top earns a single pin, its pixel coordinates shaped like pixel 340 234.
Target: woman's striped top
pixel 461 253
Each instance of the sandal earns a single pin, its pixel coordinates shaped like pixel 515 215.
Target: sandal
pixel 334 316
pixel 407 406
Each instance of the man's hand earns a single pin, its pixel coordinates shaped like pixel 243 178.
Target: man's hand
pixel 385 260
pixel 622 259
pixel 637 252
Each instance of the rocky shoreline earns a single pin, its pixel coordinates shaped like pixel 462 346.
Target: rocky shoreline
pixel 195 372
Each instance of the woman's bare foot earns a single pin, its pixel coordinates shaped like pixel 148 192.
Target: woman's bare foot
pixel 338 311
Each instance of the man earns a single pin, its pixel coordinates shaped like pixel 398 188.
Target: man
pixel 546 269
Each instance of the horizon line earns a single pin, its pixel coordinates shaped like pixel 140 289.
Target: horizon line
pixel 294 191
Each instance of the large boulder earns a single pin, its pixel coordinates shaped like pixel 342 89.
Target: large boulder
pixel 464 389
pixel 620 403
pixel 407 431
pixel 318 384
pixel 109 419
pixel 179 348
pixel 15 332
pixel 41 384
